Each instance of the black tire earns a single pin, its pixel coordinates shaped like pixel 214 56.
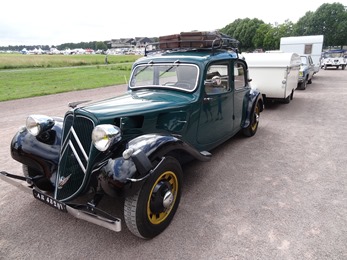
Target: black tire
pixel 302 85
pixel 253 125
pixel 292 95
pixel 343 67
pixel 325 66
pixel 286 100
pixel 309 81
pixel 150 211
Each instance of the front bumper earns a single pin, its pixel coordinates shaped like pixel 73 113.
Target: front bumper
pixel 87 212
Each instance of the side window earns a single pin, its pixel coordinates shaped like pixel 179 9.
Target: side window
pixel 311 61
pixel 239 76
pixel 217 79
pixel 308 49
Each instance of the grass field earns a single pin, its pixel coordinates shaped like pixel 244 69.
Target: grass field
pixel 24 76
pixel 19 61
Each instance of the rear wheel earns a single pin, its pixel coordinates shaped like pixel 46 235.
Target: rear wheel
pixel 151 209
pixel 253 125
pixel 286 100
pixel 303 85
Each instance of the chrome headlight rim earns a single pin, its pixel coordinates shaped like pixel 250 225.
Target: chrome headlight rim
pixel 37 124
pixel 105 135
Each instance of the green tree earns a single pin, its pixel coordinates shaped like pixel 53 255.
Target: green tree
pixel 243 30
pixel 341 33
pixel 259 36
pixel 271 39
pixel 273 36
pixel 100 46
pixel 304 24
pixel 330 20
pixel 231 28
pixel 286 29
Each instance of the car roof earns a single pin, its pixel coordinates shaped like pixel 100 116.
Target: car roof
pixel 188 56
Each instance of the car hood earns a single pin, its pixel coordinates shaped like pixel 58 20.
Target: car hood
pixel 138 103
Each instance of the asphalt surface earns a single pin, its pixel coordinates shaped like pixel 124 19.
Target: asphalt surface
pixel 281 194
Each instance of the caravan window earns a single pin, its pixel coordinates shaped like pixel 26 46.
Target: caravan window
pixel 308 49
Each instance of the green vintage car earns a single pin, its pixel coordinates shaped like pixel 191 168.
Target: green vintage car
pixel 182 101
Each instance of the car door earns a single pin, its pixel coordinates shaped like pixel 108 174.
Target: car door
pixel 216 113
pixel 311 67
pixel 241 91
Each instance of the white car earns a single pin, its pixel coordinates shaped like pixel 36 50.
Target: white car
pixel 306 71
pixel 334 58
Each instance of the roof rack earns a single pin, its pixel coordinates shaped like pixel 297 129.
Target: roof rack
pixel 196 40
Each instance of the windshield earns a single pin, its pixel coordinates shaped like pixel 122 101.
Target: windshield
pixel 171 75
pixel 303 60
pixel 333 55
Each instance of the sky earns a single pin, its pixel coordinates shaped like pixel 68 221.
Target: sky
pixel 46 22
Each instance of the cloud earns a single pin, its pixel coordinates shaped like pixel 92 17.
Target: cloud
pixel 53 23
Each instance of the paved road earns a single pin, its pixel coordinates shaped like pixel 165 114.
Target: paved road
pixel 281 194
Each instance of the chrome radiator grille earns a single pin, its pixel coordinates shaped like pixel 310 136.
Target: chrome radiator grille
pixel 74 157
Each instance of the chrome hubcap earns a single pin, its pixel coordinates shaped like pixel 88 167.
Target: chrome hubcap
pixel 168 199
pixel 256 118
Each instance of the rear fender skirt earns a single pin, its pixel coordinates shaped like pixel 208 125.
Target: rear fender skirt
pixel 38 152
pixel 145 149
pixel 253 98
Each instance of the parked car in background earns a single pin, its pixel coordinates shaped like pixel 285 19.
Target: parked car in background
pixel 306 71
pixel 334 58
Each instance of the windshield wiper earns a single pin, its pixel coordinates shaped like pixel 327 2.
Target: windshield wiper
pixel 170 68
pixel 149 64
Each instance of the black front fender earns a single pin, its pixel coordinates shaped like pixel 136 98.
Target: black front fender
pixel 145 150
pixel 38 152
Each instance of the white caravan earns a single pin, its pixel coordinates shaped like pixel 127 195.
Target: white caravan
pixel 274 74
pixel 309 45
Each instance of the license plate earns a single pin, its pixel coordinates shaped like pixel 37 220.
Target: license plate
pixel 49 201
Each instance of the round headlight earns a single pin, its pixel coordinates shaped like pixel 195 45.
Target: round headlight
pixel 104 136
pixel 37 124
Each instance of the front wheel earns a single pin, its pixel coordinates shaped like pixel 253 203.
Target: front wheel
pixel 302 85
pixel 253 125
pixel 151 209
